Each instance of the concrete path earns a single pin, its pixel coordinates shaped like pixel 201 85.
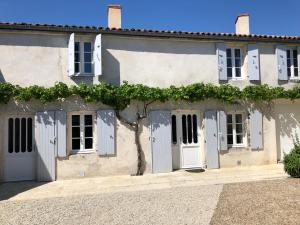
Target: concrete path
pixel 63 188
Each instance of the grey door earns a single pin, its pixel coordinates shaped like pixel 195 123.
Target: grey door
pixel 160 126
pixel 211 139
pixel 45 144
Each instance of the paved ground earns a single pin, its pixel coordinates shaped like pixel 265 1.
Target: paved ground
pixel 263 202
pixel 174 198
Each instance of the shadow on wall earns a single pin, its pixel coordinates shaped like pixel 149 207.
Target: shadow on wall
pixel 111 69
pixel 8 190
pixel 1 77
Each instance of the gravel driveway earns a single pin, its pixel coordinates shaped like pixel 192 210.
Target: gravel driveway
pixel 175 206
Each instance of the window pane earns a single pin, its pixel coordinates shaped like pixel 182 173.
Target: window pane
pixel 229 64
pixel 29 135
pixel 88 120
pixel 87 57
pixel 77 66
pixel 238 72
pixel 75 132
pixel 237 63
pixel 88 144
pixel 228 52
pixel 239 139
pixel 195 129
pixel 174 130
pixel 184 133
pixel 75 144
pixel 289 71
pixel 229 128
pixel 229 118
pixel 77 46
pixel 190 138
pixel 229 139
pixel 87 67
pixel 10 135
pixel 288 63
pixel 229 72
pixel 296 72
pixel 237 53
pixel 87 47
pixel 295 54
pixel 239 128
pixel 88 131
pixel 77 57
pixel 23 134
pixel 288 54
pixel 17 135
pixel 238 118
pixel 75 120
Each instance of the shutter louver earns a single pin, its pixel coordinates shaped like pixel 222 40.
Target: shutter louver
pixel 98 55
pixel 71 55
pixel 253 62
pixel 222 63
pixel 256 129
pixel 222 130
pixel 281 62
pixel 298 59
pixel 61 133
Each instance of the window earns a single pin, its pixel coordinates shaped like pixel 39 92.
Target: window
pixel 235 129
pixel 292 63
pixel 82 132
pixel 233 56
pixel 20 135
pixel 83 57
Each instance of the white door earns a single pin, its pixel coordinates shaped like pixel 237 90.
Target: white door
pixel 185 139
pixel 20 156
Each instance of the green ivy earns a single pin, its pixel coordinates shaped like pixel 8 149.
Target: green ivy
pixel 120 97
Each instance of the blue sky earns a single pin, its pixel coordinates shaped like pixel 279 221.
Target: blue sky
pixel 267 16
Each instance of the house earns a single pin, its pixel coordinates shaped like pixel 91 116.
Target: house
pixel 71 138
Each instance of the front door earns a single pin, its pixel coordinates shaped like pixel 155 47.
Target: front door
pixel 20 156
pixel 186 147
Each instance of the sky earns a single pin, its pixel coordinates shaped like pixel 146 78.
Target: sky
pixel 280 17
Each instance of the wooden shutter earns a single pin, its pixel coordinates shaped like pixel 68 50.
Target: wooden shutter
pixel 61 133
pixel 106 123
pixel 222 63
pixel 222 130
pixel 71 55
pixel 256 129
pixel 253 62
pixel 281 62
pixel 160 128
pixel 211 139
pixel 45 145
pixel 98 55
pixel 298 50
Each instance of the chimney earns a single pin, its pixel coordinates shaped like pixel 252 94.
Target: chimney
pixel 114 16
pixel 242 24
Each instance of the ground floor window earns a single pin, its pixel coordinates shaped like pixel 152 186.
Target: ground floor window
pixel 82 132
pixel 20 134
pixel 235 129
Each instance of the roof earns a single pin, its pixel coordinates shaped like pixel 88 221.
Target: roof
pixel 147 32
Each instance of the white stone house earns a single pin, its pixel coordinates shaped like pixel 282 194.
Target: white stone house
pixel 71 138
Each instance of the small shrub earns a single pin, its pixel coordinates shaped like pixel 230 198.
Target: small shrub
pixel 291 160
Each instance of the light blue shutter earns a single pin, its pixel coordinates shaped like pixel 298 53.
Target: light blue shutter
pixel 45 145
pixel 106 123
pixel 253 62
pixel 61 133
pixel 222 63
pixel 222 130
pixel 298 50
pixel 98 55
pixel 211 139
pixel 281 62
pixel 71 55
pixel 256 129
pixel 160 128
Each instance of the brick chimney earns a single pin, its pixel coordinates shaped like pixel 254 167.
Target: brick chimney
pixel 242 24
pixel 114 16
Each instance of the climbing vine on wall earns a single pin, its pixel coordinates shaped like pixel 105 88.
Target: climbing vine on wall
pixel 119 97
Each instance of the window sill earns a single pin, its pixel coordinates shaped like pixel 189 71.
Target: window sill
pixel 83 75
pixel 294 80
pixel 235 79
pixel 76 152
pixel 236 146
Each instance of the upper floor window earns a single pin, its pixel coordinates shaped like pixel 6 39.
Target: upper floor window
pixel 292 63
pixel 83 57
pixel 233 57
pixel 235 129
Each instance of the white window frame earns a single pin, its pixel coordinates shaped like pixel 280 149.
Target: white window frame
pixel 292 67
pixel 81 41
pixel 234 134
pixel 82 137
pixel 234 77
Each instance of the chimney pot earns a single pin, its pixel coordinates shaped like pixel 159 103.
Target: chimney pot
pixel 114 16
pixel 242 24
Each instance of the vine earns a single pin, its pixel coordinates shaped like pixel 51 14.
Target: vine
pixel 119 97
